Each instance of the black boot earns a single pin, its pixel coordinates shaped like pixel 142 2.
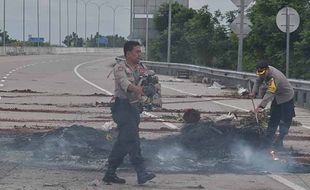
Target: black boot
pixel 144 176
pixel 278 143
pixel 111 177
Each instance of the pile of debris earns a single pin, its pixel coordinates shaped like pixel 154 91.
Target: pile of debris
pixel 215 138
pixel 212 138
pixel 202 145
pixel 78 143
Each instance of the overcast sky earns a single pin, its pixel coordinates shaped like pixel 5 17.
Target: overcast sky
pixel 122 26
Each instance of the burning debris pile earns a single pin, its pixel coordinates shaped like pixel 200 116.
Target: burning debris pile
pixel 224 145
pixel 78 143
pixel 215 138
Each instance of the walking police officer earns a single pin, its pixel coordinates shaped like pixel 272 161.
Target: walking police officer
pixel 126 113
pixel 281 93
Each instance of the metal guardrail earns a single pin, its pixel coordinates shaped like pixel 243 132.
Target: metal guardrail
pixel 228 77
pixel 18 50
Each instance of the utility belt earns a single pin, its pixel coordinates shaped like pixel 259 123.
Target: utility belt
pixel 123 101
pixel 124 104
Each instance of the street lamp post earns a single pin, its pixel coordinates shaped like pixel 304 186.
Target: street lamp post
pixel 147 30
pixel 99 6
pixel 114 11
pixel 76 21
pixel 49 22
pixel 23 21
pixel 4 34
pixel 131 19
pixel 67 17
pixel 85 4
pixel 38 21
pixel 169 34
pixel 59 22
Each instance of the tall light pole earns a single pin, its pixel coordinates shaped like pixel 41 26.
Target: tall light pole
pixel 147 30
pixel 114 10
pixel 240 43
pixel 4 34
pixel 49 22
pixel 76 21
pixel 23 21
pixel 131 19
pixel 169 33
pixel 85 4
pixel 99 6
pixel 67 17
pixel 59 22
pixel 38 21
pixel 130 32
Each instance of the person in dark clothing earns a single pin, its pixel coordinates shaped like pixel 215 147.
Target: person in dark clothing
pixel 126 114
pixel 281 94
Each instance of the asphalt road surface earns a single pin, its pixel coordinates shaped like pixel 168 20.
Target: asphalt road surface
pixel 49 91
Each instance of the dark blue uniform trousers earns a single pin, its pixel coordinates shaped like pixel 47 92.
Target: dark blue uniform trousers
pixel 127 118
pixel 280 115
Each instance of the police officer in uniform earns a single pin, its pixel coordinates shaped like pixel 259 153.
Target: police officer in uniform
pixel 126 113
pixel 282 110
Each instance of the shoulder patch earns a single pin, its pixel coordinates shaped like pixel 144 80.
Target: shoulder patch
pixel 120 68
pixel 272 86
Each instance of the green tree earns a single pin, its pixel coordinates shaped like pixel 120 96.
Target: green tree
pixel 158 47
pixel 266 41
pixel 197 37
pixel 119 41
pixel 8 40
pixel 209 40
pixel 73 40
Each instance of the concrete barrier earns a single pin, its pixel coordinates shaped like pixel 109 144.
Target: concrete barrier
pixel 52 50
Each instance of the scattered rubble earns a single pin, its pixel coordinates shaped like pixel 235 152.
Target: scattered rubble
pixel 208 141
pixel 200 146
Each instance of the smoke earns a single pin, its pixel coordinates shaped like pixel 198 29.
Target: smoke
pixel 76 145
pixel 256 159
pixel 173 157
pixel 85 147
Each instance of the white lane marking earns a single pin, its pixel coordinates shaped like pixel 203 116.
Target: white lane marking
pixel 181 91
pixel 1 84
pixel 4 77
pixel 235 107
pixel 220 103
pixel 2 80
pixel 286 182
pixel 170 125
pixel 87 81
pixel 306 127
pixel 8 74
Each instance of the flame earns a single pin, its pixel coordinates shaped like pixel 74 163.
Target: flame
pixel 274 156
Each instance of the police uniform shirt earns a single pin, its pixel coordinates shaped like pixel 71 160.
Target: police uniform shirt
pixel 278 87
pixel 124 76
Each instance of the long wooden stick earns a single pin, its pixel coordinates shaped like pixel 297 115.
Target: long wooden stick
pixel 250 90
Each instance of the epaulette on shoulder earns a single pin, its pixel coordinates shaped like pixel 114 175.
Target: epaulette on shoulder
pixel 120 61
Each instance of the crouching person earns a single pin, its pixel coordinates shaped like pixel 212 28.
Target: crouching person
pixel 281 94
